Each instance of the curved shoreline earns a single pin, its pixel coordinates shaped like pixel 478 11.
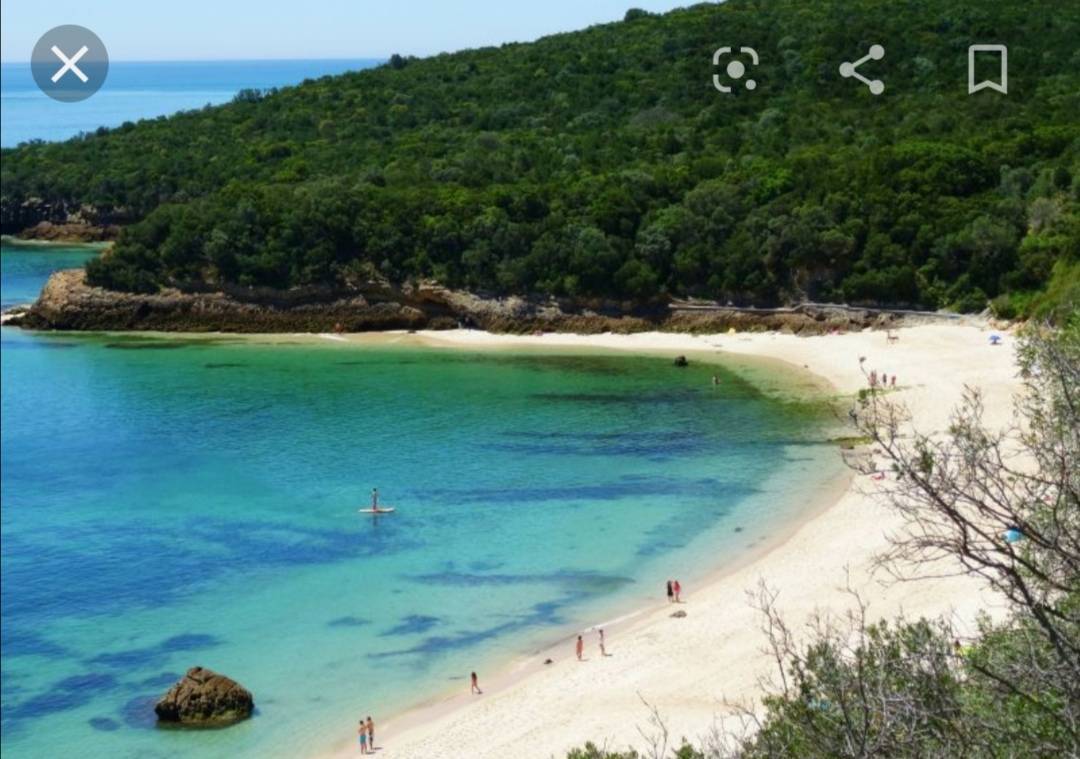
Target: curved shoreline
pixel 449 700
pixel 694 669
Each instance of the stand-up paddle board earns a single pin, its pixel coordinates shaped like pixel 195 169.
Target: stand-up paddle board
pixel 380 510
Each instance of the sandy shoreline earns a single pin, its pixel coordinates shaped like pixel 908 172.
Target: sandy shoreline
pixel 692 669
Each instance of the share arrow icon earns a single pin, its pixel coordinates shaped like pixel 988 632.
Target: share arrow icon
pixel 848 69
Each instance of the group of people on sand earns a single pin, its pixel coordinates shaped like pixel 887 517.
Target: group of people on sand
pixel 366 733
pixel 883 380
pixel 674 592
pixel 579 647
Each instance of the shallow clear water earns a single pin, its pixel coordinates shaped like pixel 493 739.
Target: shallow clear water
pixel 169 502
pixel 136 90
pixel 24 267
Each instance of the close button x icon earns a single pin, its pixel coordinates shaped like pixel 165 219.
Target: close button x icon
pixel 69 49
pixel 69 64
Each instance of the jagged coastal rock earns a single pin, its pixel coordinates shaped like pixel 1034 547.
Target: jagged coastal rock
pixel 68 302
pixel 203 698
pixel 58 220
pixel 48 231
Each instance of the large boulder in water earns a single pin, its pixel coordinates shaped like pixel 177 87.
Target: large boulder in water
pixel 203 698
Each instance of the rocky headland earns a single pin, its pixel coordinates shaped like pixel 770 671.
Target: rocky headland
pixel 60 220
pixel 68 302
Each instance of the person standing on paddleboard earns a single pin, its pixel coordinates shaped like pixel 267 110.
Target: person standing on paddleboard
pixel 374 499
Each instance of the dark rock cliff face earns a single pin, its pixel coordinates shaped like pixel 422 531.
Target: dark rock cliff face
pixel 36 218
pixel 68 303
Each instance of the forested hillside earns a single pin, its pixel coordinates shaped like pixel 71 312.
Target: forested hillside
pixel 604 163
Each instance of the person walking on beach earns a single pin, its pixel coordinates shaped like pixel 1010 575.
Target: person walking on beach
pixel 603 651
pixel 475 687
pixel 363 737
pixel 675 586
pixel 670 592
pixel 371 734
pixel 580 648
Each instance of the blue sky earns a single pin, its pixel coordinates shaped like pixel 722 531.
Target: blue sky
pixel 223 29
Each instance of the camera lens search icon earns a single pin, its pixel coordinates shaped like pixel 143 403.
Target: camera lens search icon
pixel 735 68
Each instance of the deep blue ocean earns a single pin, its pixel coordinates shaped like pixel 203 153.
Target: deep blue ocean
pixel 134 91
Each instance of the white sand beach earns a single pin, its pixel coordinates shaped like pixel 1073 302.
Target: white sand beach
pixel 691 669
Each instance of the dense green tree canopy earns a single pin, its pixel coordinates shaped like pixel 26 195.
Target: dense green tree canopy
pixel 604 163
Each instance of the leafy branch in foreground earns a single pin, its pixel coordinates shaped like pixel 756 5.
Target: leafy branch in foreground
pixel 1004 505
pixel 999 504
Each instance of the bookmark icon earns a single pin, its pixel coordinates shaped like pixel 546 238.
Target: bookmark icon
pixel 1002 82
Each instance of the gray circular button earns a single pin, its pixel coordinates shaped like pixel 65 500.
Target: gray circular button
pixel 69 63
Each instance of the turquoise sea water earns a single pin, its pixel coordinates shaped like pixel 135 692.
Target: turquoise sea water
pixel 24 267
pixel 140 90
pixel 174 501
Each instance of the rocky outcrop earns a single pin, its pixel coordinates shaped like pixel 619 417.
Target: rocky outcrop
pixel 68 302
pixel 59 220
pixel 203 698
pixel 69 232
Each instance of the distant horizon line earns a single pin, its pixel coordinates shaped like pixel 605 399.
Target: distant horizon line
pixel 227 60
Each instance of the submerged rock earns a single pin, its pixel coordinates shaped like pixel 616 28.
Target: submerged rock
pixel 681 361
pixel 203 698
